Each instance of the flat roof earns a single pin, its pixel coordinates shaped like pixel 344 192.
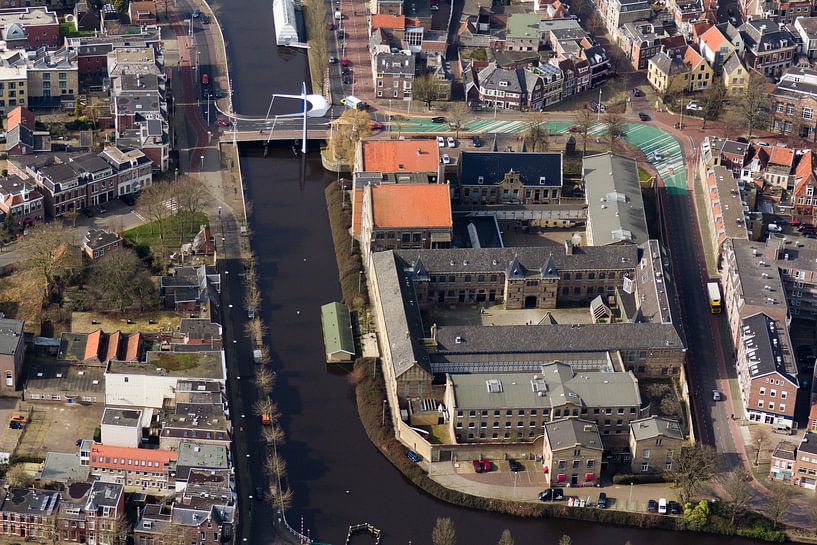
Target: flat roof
pixel 114 416
pixel 615 209
pixel 411 205
pixel 64 467
pixel 198 364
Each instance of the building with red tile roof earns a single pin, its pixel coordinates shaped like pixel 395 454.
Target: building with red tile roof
pixel 399 216
pixel 398 156
pixel 388 22
pixel 804 196
pixel 22 199
pixel 135 468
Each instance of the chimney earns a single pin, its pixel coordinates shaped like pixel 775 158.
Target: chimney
pixel 568 247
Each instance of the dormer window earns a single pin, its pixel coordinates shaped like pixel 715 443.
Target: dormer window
pixel 503 83
pixel 542 180
pixel 480 179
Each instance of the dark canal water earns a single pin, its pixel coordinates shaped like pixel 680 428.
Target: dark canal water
pixel 337 475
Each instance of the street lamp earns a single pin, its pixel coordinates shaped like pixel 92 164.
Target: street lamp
pixel 598 117
pixel 630 498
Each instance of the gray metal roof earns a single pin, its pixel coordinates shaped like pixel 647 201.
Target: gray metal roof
pixel 129 418
pixel 655 426
pixel 572 432
pixel 615 208
pixel 63 467
pixel 761 337
pixel 556 385
pixel 808 443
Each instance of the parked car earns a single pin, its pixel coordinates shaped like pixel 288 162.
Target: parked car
pixel 514 466
pixel 602 502
pixel 196 14
pixel 438 119
pixel 341 34
pixel 486 465
pixel 440 142
pixel 375 126
pixel 345 62
pixel 100 209
pixel 694 106
pixel 205 79
pixel 413 456
pixel 446 159
pixel 637 92
pixel 674 508
pixel 477 141
pixel 573 128
pixel 451 142
pixel 773 227
pixel 221 122
pixel 347 79
pixel 716 395
pixel 259 493
pixel 652 506
pixel 205 19
pixel 477 466
pixel 552 494
pixel 643 117
pixel 662 506
pixel 333 59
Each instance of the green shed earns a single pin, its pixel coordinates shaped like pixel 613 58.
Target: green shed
pixel 338 339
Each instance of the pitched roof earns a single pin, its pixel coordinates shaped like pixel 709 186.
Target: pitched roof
pixel 400 155
pixel 655 426
pixel 534 168
pixel 804 171
pixel 384 20
pixel 115 457
pixel 411 205
pixel 781 155
pixel 732 63
pixel 20 115
pixel 692 58
pixel 570 432
pixel 337 329
pixel 713 38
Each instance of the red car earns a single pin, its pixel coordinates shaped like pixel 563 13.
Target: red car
pixel 573 128
pixel 482 466
pixel 345 62
pixel 477 466
pixel 205 79
pixel 221 122
pixel 375 126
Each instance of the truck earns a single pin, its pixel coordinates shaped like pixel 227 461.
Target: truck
pixel 714 293
pixel 353 103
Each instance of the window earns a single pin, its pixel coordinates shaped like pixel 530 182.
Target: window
pixel 771 405
pixel 782 407
pixel 646 454
pixel 645 466
pixel 807 113
pixel 773 393
pixel 9 379
pixel 784 395
pixel 762 391
pixel 789 109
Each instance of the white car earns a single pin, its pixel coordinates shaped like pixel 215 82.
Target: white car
pixel 774 228
pixel 451 142
pixel 441 141
pixel 716 395
pixel 662 506
pixel 694 106
pixel 446 159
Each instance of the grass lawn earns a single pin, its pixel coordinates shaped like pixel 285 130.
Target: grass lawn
pixel 68 30
pixel 81 322
pixel 643 175
pixel 175 361
pixel 179 229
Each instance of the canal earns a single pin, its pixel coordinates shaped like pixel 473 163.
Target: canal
pixel 338 477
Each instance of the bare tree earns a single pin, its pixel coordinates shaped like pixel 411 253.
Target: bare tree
pixel 49 250
pixel 191 197
pixel 280 497
pixel 71 215
pixel 399 121
pixel 752 105
pixel 565 540
pixel 443 532
pixel 275 466
pixel 584 122
pixel 536 135
pixel 264 379
pixel 457 116
pixel 273 435
pixel 120 278
pixel 426 90
pixel 777 503
pixel 153 204
pixel 350 128
pixel 738 488
pixel 812 511
pixel 18 477
pixel 713 102
pixel 693 465
pixel 614 124
pixel 266 406
pixel 506 538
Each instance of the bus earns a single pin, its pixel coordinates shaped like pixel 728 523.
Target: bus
pixel 714 293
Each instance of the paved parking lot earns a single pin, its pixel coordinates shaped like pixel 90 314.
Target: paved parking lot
pixel 49 431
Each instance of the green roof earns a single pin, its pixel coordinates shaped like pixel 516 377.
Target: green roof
pixel 337 329
pixel 524 25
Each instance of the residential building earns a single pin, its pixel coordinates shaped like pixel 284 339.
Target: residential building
pixel 29 513
pixel 393 74
pixel 513 407
pixel 805 466
pixel 143 13
pixel 510 178
pixel 725 207
pixel 667 73
pixel 685 13
pixel 804 195
pixel 29 27
pixel 53 78
pixel 640 42
pixel 517 89
pixel 21 199
pixel 735 76
pixel 795 257
pixel 405 216
pixel 572 453
pixel 190 288
pixel 98 242
pixel 12 352
pixel 700 73
pixel 794 104
pixel 195 455
pixel 85 18
pixel 208 511
pixel 616 13
pixel 97 348
pixel 65 468
pixel 139 469
pixel 615 208
pixel 22 136
pixel 716 47
pixel 781 466
pixel 522 32
pixel 92 51
pixel 552 83
pixel 64 383
pixel 153 526
pixel 769 47
pixel 13 86
pixel 121 427
pixel 806 29
pixel 654 442
pixel 104 513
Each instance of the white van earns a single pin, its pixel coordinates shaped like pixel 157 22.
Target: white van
pixel 353 103
pixel 773 227
pixel 662 506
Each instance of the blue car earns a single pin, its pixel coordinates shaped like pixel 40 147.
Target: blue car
pixel 413 456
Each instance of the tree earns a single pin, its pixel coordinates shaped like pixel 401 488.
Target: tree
pixel 190 197
pixel 280 497
pixel 264 379
pixel 693 465
pixel 696 515
pixel 536 135
pixel 457 116
pixel 275 467
pixel 120 277
pixel 506 538
pixel 426 90
pixel 349 129
pixel 273 435
pixel 255 330
pixel 18 477
pixel 153 204
pixel 777 503
pixel 71 216
pixel 812 511
pixel 10 228
pixel 713 102
pixel 443 532
pixel 614 124
pixel 565 540
pixel 49 250
pixel 738 488
pixel 752 104
pixel 399 121
pixel 584 122
pixel 268 407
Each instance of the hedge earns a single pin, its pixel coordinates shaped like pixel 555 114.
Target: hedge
pixel 347 253
pixel 624 478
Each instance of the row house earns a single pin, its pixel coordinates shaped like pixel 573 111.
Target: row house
pixel 518 89
pixel 806 29
pixel 92 51
pixel 769 48
pixel 782 12
pixel 572 453
pixel 684 13
pixel 640 42
pixel 725 207
pixel 716 45
pixel 29 513
pixel 21 199
pixel 53 77
pixel 735 76
pixel 794 104
pixel 30 27
pixel 796 464
pixel 73 182
pixel 671 73
pixel 795 258
pixel 804 196
pixel 552 83
pixel 654 441
pixel 393 74
pixel 91 512
pixel 135 468
pixel 616 13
